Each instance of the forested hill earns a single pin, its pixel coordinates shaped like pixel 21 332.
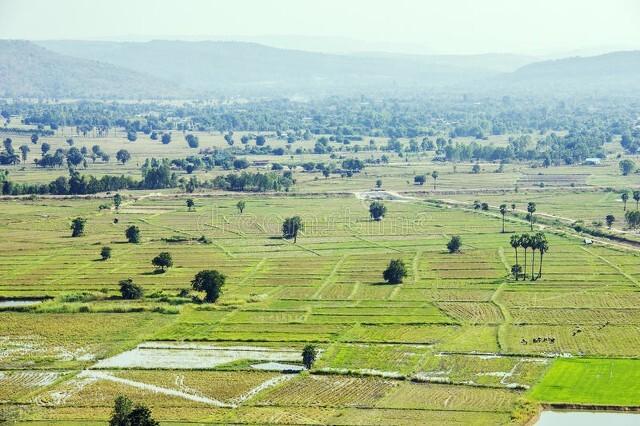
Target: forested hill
pixel 240 66
pixel 611 72
pixel 29 70
pixel 158 69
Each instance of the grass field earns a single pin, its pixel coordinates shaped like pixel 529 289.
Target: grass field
pixel 590 381
pixel 459 341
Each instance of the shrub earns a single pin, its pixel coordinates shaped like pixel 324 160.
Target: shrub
pixel 454 244
pixel 105 253
pixel 129 290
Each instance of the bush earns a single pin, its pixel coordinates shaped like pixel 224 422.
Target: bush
pixel 209 281
pixel 105 253
pixel 395 272
pixel 377 210
pixel 309 354
pixel 163 261
pixel 454 244
pixel 129 290
pixel 133 234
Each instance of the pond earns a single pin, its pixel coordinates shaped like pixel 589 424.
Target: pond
pixel 587 418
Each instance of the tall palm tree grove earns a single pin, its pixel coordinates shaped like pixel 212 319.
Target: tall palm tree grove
pixel 525 243
pixel 625 198
pixel 515 243
pixel 503 211
pixel 543 247
pixel 531 208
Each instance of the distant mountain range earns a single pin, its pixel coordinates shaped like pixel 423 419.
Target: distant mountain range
pixel 161 69
pixel 29 70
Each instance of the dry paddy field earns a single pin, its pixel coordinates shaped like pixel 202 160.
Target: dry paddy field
pixel 458 341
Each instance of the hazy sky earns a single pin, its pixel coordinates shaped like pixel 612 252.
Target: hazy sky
pixel 427 26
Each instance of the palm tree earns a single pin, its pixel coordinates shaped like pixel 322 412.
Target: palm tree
pixel 531 208
pixel 525 243
pixel 434 175
pixel 636 197
pixel 534 241
pixel 503 211
pixel 543 247
pixel 515 243
pixel 625 197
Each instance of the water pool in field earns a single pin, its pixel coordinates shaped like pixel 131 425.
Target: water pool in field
pixel 15 302
pixel 587 418
pixel 194 355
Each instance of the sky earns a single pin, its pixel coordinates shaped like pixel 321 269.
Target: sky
pixel 532 27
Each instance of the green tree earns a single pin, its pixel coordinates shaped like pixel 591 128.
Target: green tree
pixel 309 354
pixel 378 183
pixel 211 282
pixel 543 247
pixel 377 210
pixel 525 243
pixel 610 219
pixel 516 271
pixel 531 209
pixel 534 246
pixel 133 234
pixel 130 290
pixel 624 197
pixel 291 227
pixel 633 218
pixel 117 201
pixel 166 138
pixel 190 204
pixel 503 212
pixel 105 253
pixel 141 416
pixel 240 205
pixel 45 147
pixel 636 198
pixel 125 414
pixel 395 272
pixel 162 261
pixel 123 156
pixel 77 226
pixel 475 169
pixel 454 244
pixel 192 141
pixel 434 176
pixel 34 138
pixel 121 410
pixel 627 167
pixel 515 244
pixel 132 136
pixel 24 149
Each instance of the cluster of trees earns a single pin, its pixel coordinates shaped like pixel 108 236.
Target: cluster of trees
pixel 551 149
pixel 72 157
pixel 208 281
pixel 536 242
pixel 156 174
pixel 126 414
pixel 342 117
pixel 252 182
pixel 421 179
